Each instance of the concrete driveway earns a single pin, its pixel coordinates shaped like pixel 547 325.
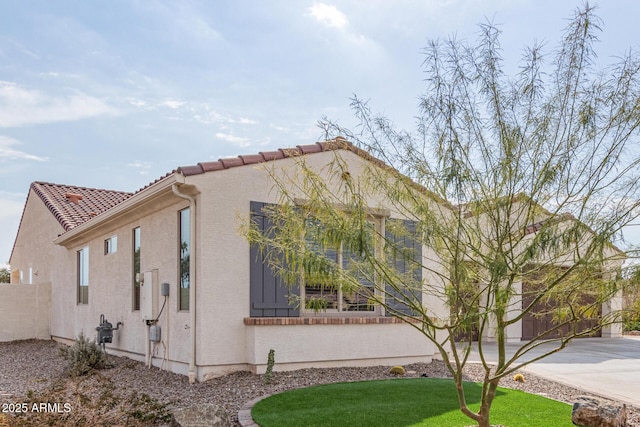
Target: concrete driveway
pixel 609 367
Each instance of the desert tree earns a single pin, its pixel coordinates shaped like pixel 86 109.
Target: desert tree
pixel 5 275
pixel 515 188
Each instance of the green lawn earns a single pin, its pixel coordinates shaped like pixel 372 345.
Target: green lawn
pixel 403 403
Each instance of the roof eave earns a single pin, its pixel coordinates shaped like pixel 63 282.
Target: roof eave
pixel 155 190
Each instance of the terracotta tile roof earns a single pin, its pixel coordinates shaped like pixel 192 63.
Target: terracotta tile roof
pixel 72 205
pixel 535 227
pixel 338 143
pixel 266 156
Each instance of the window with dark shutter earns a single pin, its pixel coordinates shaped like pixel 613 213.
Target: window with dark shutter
pixel 404 250
pixel 269 295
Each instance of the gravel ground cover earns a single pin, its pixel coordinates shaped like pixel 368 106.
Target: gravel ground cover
pixel 31 372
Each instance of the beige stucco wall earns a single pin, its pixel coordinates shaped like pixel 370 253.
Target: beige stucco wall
pixel 24 311
pixel 223 285
pixel 111 285
pixel 305 346
pixel 110 277
pixel 33 248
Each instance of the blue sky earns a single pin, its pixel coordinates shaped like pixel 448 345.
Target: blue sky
pixel 113 94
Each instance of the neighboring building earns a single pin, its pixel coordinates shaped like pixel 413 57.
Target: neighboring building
pixel 110 253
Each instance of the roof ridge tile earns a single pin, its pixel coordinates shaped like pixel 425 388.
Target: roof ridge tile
pixel 338 143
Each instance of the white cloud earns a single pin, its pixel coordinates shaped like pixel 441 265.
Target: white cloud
pixel 23 107
pixel 172 103
pixel 265 141
pixel 8 152
pixel 329 15
pixel 180 20
pixel 236 140
pixel 190 111
pixel 333 18
pixel 243 121
pixel 139 103
pixel 209 116
pixel 279 128
pixel 142 166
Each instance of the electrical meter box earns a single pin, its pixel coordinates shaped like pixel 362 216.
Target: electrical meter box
pixel 155 333
pixel 149 295
pixel 164 289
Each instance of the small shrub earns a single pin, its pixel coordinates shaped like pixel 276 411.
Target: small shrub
pixel 397 370
pixel 96 400
pixel 148 409
pixel 632 325
pixel 317 304
pixel 271 360
pixel 518 378
pixel 631 316
pixel 83 357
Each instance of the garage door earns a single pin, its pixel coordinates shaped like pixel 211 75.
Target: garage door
pixel 540 319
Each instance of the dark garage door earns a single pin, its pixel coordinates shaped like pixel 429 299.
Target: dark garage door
pixel 540 319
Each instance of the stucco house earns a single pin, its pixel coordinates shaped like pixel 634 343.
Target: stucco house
pixel 108 253
pixel 170 255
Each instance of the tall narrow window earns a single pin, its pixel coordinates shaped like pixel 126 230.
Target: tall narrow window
pixel 185 250
pixel 83 276
pixel 136 268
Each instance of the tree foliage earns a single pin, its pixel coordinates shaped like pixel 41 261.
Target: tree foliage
pixel 518 187
pixel 5 275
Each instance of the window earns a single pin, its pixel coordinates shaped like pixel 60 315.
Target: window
pixel 270 297
pixel 83 276
pixel 111 245
pixel 184 250
pixel 324 292
pixel 136 268
pixel 403 250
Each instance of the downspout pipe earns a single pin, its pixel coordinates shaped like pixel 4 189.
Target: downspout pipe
pixel 192 278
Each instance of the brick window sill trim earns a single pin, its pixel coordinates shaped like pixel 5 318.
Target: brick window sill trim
pixel 289 321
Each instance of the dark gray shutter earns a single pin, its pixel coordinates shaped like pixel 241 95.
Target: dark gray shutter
pixel 269 295
pixel 405 253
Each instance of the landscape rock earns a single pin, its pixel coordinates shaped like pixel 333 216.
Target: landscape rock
pixel 34 367
pixel 594 412
pixel 203 415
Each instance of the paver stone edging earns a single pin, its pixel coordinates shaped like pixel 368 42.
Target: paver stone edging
pixel 244 414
